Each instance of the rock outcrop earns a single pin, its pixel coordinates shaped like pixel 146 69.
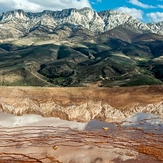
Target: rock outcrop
pixel 17 23
pixel 82 104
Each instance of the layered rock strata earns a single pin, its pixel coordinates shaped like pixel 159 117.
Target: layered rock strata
pixel 82 104
pixel 48 144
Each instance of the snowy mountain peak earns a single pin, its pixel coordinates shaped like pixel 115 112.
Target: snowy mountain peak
pixel 20 23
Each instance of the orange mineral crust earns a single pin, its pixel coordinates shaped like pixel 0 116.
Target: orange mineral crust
pixel 82 104
pixel 81 125
pixel 50 144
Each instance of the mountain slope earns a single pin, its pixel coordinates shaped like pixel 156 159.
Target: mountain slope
pixel 111 63
pixel 79 48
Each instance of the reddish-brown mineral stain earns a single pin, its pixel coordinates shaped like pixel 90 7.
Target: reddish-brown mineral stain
pixel 37 144
pixel 47 144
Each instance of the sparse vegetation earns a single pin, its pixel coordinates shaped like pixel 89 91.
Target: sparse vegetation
pixel 108 61
pixel 143 80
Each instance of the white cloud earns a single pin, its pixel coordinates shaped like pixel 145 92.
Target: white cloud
pixel 131 11
pixel 40 5
pixel 95 2
pixel 155 16
pixel 160 6
pixel 137 3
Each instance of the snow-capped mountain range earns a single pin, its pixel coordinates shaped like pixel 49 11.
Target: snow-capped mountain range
pixel 17 23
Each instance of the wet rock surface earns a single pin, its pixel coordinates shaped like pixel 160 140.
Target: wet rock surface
pixel 118 125
pixel 73 142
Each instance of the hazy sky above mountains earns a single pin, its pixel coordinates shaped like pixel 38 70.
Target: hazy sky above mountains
pixel 144 10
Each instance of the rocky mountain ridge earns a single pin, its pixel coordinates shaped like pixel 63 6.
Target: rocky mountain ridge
pixel 17 23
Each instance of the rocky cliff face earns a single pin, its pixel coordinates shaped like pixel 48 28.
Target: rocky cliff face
pixel 82 104
pixel 17 23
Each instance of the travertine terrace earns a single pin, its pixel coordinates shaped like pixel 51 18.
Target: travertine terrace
pixel 31 138
pixel 82 104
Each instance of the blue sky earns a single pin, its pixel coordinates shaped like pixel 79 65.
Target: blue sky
pixel 144 10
